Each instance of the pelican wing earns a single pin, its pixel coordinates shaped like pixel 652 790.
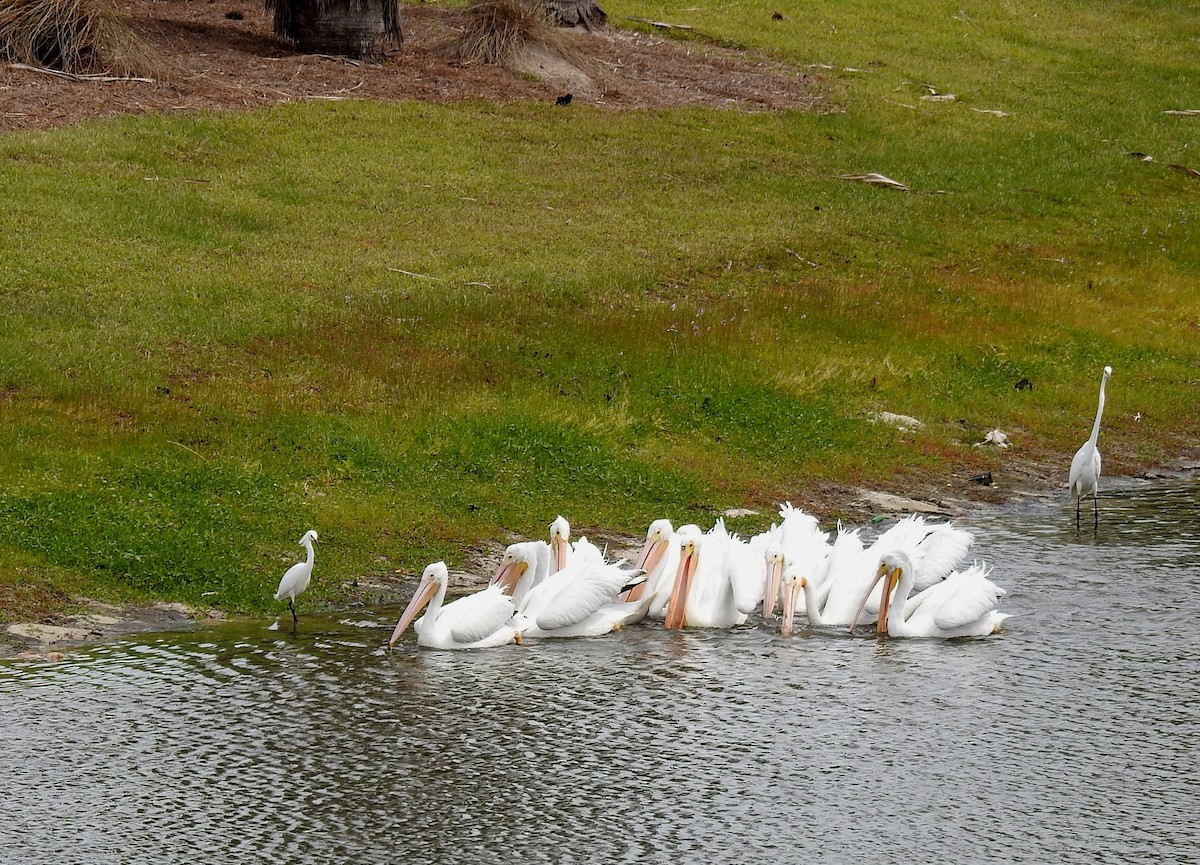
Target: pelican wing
pixel 973 597
pixel 479 615
pixel 940 553
pixel 747 572
pixel 575 603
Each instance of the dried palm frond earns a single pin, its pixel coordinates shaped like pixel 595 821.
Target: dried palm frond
pixel 76 37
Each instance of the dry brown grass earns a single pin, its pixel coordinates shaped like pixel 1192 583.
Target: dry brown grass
pixel 76 37
pixel 500 29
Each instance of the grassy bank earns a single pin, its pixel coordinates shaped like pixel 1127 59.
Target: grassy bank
pixel 415 327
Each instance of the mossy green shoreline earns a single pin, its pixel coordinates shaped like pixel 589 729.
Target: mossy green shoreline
pixel 418 328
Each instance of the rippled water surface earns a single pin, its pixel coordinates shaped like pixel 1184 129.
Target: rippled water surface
pixel 1074 736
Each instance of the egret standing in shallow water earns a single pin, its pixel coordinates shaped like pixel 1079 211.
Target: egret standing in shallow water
pixel 296 579
pixel 1085 466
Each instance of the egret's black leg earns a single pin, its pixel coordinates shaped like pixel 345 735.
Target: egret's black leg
pixel 292 607
pixel 1076 516
pixel 1096 511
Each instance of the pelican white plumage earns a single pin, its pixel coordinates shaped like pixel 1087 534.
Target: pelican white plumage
pixel 1084 478
pixel 297 577
pixel 560 542
pixel 832 595
pixel 962 605
pixel 524 565
pixel 478 621
pixel 657 560
pixel 581 600
pixel 797 541
pixel 718 581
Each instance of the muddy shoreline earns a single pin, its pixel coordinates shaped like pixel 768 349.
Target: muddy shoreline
pixel 95 622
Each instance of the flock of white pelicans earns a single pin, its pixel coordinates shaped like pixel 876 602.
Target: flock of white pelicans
pixel 911 582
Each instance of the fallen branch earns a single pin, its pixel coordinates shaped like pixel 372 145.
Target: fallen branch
pixel 1145 157
pixel 1187 112
pixel 416 275
pixel 72 76
pixel 876 180
pixel 662 25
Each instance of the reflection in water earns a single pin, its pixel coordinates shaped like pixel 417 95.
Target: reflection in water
pixel 1068 738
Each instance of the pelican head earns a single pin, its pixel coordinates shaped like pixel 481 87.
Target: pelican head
pixel 517 560
pixel 309 537
pixel 892 566
pixel 689 554
pixel 434 577
pixel 793 587
pixel 657 538
pixel 775 573
pixel 560 541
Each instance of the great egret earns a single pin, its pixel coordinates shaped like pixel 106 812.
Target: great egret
pixel 1085 465
pixel 296 579
pixel 478 621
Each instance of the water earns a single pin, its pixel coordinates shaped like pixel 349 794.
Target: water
pixel 1072 737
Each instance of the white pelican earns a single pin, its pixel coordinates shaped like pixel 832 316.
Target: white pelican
pixel 832 593
pixel 1085 465
pixel 962 605
pixel 658 559
pixel 718 581
pixel 477 621
pixel 797 540
pixel 560 542
pixel 580 600
pixel 523 566
pixel 298 575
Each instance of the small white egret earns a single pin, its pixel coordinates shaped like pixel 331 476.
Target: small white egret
pixel 1085 466
pixel 296 579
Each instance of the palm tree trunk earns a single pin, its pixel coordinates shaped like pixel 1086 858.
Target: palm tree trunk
pixel 351 28
pixel 576 13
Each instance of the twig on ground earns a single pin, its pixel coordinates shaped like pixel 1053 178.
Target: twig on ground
pixel 103 79
pixel 662 25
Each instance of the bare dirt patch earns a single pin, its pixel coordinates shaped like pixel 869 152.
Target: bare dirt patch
pixel 222 62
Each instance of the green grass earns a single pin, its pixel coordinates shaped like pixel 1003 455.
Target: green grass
pixel 208 342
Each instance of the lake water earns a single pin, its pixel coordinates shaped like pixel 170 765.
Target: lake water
pixel 1074 736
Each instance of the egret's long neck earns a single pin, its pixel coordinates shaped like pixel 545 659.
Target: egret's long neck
pixel 308 557
pixel 1099 413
